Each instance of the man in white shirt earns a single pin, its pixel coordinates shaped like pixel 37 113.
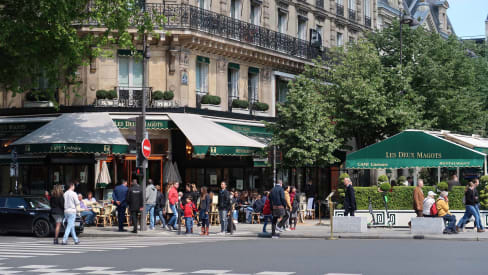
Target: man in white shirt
pixel 71 204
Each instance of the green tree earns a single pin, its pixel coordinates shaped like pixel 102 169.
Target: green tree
pixel 304 131
pixel 50 39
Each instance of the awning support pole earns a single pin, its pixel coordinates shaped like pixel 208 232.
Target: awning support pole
pixel 438 174
pixel 457 171
pixel 274 165
pixel 485 172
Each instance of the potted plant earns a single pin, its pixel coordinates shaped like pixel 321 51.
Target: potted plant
pixel 381 186
pixel 157 98
pixel 240 106
pixel 211 102
pixel 105 98
pixel 260 108
pixel 168 98
pixel 38 99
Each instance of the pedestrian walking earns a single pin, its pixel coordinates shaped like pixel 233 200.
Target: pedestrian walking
pixel 477 204
pixel 349 199
pixel 57 209
pixel 442 205
pixel 418 198
pixel 204 210
pixel 150 202
pixel 159 208
pixel 295 206
pixel 135 202
pixel 278 204
pixel 173 200
pixel 224 206
pixel 284 221
pixel 120 200
pixel 188 209
pixel 71 206
pixel 267 213
pixel 470 204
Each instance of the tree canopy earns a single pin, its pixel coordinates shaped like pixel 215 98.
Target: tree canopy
pixel 42 41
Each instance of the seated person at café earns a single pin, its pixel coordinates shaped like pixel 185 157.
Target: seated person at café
pixel 86 213
pixel 442 204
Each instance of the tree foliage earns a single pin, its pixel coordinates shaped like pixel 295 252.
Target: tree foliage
pixel 44 39
pixel 304 130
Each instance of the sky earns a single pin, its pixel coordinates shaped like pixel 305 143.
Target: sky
pixel 468 16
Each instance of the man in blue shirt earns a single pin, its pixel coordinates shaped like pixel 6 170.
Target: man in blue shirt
pixel 120 200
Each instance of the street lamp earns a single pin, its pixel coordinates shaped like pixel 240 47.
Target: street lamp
pixel 405 19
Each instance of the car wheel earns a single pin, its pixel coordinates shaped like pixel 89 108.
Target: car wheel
pixel 41 228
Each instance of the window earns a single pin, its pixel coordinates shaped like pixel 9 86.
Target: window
pixel 204 4
pixel 2 202
pixel 302 28
pixel 253 84
pixel 235 9
pixel 130 71
pixel 282 23
pixel 282 90
pixel 367 8
pixel 202 75
pixel 320 31
pixel 255 13
pixel 14 203
pixel 351 39
pixel 233 80
pixel 339 2
pixel 340 42
pixel 352 5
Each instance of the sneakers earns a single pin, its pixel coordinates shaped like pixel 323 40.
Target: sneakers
pixel 77 242
pixel 275 237
pixel 55 241
pixel 481 230
pixel 221 233
pixel 64 243
pixel 279 229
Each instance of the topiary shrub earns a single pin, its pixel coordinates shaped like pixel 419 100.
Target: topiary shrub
pixel 443 186
pixel 260 106
pixel 382 178
pixel 157 95
pixel 239 103
pixel 168 95
pixel 385 187
pixel 112 94
pixel 211 99
pixel 102 94
pixel 401 180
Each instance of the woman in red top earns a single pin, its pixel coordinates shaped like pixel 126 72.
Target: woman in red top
pixel 173 200
pixel 294 208
pixel 266 212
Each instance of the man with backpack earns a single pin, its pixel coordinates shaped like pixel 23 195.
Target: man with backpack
pixel 430 209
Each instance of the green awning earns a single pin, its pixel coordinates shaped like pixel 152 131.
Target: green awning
pixel 75 133
pixel 414 148
pixel 203 59
pixel 248 130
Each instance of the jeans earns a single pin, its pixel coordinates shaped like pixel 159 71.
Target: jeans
pixel 159 213
pixel 451 222
pixel 267 219
pixel 204 219
pixel 70 228
pixel 134 216
pixel 248 211
pixel 223 220
pixel 470 211
pixel 89 216
pixel 150 212
pixel 189 224
pixel 284 220
pixel 121 216
pixel 235 215
pixel 174 218
pixel 477 212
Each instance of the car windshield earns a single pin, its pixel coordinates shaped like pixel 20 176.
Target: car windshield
pixel 39 203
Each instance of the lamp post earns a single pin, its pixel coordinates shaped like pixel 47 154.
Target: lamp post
pixel 405 19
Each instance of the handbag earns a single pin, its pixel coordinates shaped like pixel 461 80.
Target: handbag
pixel 168 209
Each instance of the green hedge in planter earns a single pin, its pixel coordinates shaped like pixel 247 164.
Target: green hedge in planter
pixel 37 96
pixel 112 94
pixel 102 94
pixel 443 186
pixel 385 187
pixel 260 106
pixel 239 103
pixel 168 95
pixel 211 99
pixel 382 178
pixel 401 197
pixel 157 95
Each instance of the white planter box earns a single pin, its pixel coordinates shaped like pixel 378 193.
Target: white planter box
pixel 240 111
pixel 261 113
pixel 37 104
pixel 163 103
pixel 212 107
pixel 105 102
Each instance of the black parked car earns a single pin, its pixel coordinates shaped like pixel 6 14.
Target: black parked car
pixel 29 214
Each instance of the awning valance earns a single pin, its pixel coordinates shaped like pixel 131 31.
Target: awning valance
pixel 208 137
pixel 75 133
pixel 414 148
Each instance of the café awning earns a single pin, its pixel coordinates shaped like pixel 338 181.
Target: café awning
pixel 208 137
pixel 75 133
pixel 414 148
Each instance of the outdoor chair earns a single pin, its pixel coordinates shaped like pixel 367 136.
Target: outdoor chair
pixel 255 218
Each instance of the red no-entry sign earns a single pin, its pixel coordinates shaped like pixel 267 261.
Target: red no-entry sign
pixel 146 148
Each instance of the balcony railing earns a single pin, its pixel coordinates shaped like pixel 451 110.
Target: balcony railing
pixel 319 3
pixel 127 97
pixel 367 21
pixel 339 9
pixel 352 15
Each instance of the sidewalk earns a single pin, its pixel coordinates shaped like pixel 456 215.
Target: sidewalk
pixel 310 229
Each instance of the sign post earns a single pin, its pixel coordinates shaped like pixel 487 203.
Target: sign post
pixel 14 169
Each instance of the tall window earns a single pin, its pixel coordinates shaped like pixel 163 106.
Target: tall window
pixel 367 8
pixel 202 75
pixel 352 4
pixel 282 22
pixel 255 13
pixel 340 40
pixel 204 4
pixel 302 28
pixel 253 84
pixel 235 9
pixel 339 2
pixel 320 31
pixel 233 78
pixel 282 89
pixel 130 71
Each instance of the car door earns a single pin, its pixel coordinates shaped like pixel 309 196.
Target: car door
pixel 3 214
pixel 19 218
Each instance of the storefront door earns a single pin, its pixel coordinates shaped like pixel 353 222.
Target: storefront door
pixel 154 170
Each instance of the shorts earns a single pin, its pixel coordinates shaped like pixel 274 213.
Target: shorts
pixel 58 218
pixel 278 212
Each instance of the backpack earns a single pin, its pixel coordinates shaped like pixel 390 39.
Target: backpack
pixel 433 209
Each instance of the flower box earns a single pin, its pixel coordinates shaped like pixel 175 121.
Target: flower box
pixel 212 107
pixel 38 104
pixel 240 111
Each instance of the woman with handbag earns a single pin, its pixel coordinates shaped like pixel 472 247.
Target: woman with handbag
pixel 173 200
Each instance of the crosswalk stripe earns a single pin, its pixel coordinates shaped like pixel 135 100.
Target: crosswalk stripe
pixel 15 256
pixel 209 271
pixel 151 270
pixel 33 250
pixel 9 254
pixel 274 273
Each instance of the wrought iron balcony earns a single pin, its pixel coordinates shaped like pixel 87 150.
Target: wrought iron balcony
pixel 126 97
pixel 339 9
pixel 367 21
pixel 319 3
pixel 352 15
